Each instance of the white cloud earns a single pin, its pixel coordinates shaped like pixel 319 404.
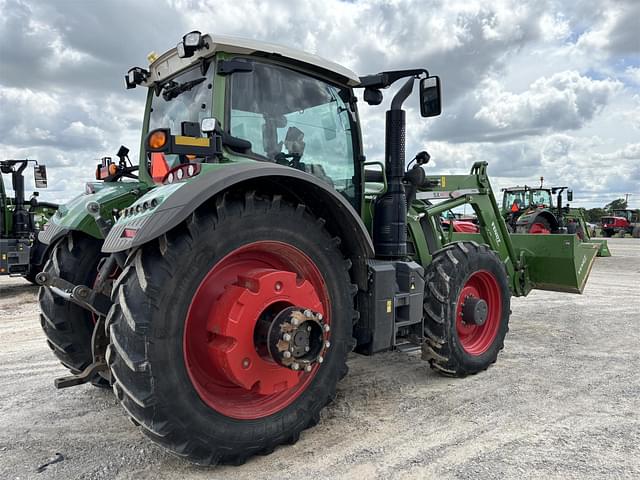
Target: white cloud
pixel 564 101
pixel 547 87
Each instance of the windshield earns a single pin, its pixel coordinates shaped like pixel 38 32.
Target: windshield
pixel 516 200
pixel 181 103
pixel 541 198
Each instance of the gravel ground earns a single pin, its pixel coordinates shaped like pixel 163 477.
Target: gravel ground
pixel 561 402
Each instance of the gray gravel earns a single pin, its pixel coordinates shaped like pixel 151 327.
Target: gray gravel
pixel 561 402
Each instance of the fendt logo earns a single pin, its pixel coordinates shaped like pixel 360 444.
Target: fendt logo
pixel 494 227
pixel 582 264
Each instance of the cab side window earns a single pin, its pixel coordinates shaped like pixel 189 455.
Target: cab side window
pixel 295 120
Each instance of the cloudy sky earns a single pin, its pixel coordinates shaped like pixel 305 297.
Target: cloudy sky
pixel 536 88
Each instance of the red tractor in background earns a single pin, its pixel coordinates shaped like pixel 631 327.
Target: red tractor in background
pixel 622 222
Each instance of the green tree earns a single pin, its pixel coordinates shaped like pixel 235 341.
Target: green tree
pixel 617 204
pixel 594 215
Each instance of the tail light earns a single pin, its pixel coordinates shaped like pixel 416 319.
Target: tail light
pixel 182 172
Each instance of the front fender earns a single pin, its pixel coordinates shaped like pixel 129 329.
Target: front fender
pixel 73 216
pixel 175 202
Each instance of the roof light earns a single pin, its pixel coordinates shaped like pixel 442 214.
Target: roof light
pixel 191 42
pixel 192 39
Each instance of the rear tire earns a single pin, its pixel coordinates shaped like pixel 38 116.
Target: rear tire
pixel 539 226
pixel 469 270
pixel 636 232
pixel 67 326
pixel 157 377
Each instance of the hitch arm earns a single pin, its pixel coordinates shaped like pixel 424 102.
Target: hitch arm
pixel 81 295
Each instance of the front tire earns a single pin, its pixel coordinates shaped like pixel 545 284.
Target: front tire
pixel 459 276
pixel 67 326
pixel 172 357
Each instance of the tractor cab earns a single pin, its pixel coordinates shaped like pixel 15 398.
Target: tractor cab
pixel 21 219
pixel 621 221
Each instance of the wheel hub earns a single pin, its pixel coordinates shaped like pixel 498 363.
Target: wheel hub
pixel 474 311
pixel 297 338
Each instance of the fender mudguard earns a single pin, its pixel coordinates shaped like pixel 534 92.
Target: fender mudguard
pixel 73 216
pixel 175 202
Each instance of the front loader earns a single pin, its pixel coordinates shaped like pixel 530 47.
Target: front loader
pixel 231 292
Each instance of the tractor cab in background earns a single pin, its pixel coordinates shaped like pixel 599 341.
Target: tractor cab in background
pixel 21 220
pixel 546 210
pixel 621 222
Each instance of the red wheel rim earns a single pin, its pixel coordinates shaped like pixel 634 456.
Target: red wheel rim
pixel 222 359
pixel 539 228
pixel 477 339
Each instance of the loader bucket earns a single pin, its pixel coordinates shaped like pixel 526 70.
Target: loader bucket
pixel 603 248
pixel 556 262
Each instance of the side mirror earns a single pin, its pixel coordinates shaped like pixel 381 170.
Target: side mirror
pixel 430 98
pixel 40 175
pixel 569 195
pixel 375 179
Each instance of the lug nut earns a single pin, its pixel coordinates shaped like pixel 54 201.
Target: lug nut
pixel 286 337
pixel 245 363
pixel 319 317
pixel 307 368
pixel 307 313
pixel 306 349
pixel 327 328
pixel 294 322
pixel 327 344
pixel 320 359
pixel 295 366
pixel 287 354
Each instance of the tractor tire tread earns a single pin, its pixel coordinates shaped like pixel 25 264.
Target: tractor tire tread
pixel 138 293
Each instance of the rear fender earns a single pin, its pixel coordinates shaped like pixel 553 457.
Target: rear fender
pixel 174 203
pixel 73 216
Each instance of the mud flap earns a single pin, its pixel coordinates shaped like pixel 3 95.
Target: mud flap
pixel 560 263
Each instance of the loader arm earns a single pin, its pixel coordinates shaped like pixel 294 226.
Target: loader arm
pixel 549 262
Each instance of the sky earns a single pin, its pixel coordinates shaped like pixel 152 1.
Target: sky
pixel 534 87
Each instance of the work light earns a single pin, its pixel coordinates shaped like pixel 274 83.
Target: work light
pixel 191 42
pixel 135 76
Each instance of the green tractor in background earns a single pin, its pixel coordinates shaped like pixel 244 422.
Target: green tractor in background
pixel 533 210
pixel 221 291
pixel 21 254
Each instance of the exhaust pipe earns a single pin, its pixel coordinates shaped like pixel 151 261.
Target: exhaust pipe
pixel 390 209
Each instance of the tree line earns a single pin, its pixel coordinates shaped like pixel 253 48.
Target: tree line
pixel 593 215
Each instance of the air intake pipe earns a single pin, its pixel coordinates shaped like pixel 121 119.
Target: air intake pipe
pixel 390 210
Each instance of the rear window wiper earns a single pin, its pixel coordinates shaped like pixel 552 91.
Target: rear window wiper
pixel 173 89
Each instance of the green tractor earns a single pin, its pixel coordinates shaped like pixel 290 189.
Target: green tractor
pixel 223 289
pixel 21 254
pixel 533 210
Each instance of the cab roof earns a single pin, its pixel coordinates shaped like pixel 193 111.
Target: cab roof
pixel 168 63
